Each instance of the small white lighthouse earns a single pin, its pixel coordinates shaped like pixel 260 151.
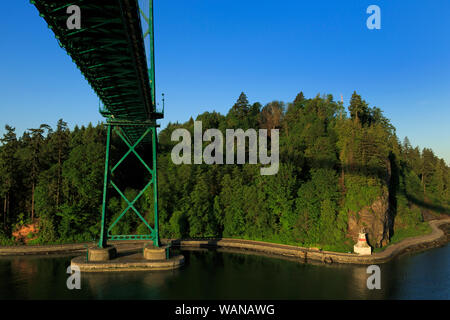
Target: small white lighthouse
pixel 361 247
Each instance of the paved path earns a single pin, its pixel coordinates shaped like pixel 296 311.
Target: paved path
pixel 122 246
pixel 435 238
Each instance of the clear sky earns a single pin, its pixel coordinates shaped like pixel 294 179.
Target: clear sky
pixel 208 51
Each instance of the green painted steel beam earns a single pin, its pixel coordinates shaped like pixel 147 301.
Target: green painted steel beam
pixel 109 51
pixel 151 34
pixel 155 187
pixel 131 237
pixel 102 242
pixel 118 127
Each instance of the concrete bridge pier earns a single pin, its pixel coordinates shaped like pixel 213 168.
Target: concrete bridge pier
pixel 153 253
pixel 108 259
pixel 102 254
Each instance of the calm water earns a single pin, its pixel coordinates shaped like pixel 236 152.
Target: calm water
pixel 230 275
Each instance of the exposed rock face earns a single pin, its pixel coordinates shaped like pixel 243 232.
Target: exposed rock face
pixel 374 220
pixel 377 219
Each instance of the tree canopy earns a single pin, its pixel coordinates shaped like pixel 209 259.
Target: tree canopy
pixel 332 164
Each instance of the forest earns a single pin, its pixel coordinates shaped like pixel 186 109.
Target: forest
pixel 341 171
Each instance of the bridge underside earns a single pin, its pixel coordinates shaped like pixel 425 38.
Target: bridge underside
pixel 109 51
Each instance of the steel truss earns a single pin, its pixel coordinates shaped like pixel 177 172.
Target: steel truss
pixel 117 126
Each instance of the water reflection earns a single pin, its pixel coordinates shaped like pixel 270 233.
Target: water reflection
pixel 133 285
pixel 231 274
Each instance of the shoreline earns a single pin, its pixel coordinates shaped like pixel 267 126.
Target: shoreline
pixel 414 244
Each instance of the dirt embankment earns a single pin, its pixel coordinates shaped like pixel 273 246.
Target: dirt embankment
pixel 26 233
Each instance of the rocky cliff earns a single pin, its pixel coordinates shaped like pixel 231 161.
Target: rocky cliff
pixel 374 220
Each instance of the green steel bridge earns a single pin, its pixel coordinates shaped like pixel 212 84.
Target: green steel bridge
pixel 109 48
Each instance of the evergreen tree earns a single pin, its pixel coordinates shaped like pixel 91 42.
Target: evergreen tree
pixel 237 117
pixel 331 167
pixel 428 167
pixel 8 173
pixel 358 108
pixel 37 140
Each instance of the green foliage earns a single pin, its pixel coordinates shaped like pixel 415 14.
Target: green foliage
pixel 360 192
pixel 317 206
pixel 5 240
pixel 331 165
pixel 129 221
pixel 419 229
pixel 178 225
pixel 47 230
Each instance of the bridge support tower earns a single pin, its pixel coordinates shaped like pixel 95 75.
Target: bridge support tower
pixel 117 126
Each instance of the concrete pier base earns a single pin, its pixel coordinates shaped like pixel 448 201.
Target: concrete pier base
pixel 152 253
pixel 129 262
pixel 149 258
pixel 101 254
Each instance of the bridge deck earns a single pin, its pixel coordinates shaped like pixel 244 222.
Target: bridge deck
pixel 109 51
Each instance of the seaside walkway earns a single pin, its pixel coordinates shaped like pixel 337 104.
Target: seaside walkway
pixel 435 238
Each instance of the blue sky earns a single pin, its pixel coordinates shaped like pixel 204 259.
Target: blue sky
pixel 208 51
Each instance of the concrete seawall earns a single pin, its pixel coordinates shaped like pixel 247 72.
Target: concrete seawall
pixel 436 238
pixel 122 246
